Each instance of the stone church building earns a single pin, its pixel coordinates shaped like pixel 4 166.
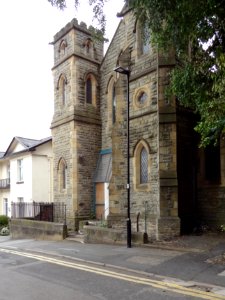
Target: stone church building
pixel 174 186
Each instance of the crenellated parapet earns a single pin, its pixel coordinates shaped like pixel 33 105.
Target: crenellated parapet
pixel 78 40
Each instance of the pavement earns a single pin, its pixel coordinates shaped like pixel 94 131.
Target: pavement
pixel 193 261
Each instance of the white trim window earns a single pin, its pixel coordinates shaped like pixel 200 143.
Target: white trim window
pixel 5 206
pixel 20 170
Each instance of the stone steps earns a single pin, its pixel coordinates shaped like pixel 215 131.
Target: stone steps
pixel 75 237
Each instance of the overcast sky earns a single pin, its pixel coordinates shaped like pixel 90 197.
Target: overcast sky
pixel 26 58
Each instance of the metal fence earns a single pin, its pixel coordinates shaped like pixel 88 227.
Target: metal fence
pixel 41 211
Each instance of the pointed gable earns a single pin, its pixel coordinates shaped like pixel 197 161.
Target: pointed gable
pixel 20 144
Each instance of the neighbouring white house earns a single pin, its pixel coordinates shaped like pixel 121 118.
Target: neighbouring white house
pixel 25 172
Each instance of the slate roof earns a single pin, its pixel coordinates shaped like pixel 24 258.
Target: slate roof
pixel 104 168
pixel 28 144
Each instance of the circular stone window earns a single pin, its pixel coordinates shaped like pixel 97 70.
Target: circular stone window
pixel 142 98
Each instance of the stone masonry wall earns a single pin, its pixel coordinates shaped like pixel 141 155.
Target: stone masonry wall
pixel 211 207
pixel 169 222
pixel 62 149
pixel 211 204
pixel 88 147
pixel 76 124
pixel 143 127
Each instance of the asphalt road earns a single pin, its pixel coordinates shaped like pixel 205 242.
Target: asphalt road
pixel 32 274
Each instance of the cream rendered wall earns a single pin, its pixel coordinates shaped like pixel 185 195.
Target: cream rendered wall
pixel 4 193
pixel 4 169
pixel 18 148
pixel 37 176
pixel 41 184
pixel 21 189
pixel 45 149
pixel 42 173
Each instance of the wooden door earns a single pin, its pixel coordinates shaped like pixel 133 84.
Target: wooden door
pixel 100 201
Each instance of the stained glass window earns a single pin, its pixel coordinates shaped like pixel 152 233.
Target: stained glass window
pixel 142 98
pixel 143 166
pixel 113 105
pixel 145 40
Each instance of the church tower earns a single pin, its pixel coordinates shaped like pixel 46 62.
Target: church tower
pixel 76 123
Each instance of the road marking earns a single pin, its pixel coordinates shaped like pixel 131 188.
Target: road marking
pixel 222 273
pixel 172 287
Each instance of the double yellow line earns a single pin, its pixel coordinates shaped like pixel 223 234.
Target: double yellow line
pixel 172 287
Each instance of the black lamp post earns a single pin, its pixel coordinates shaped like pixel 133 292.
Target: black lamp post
pixel 126 72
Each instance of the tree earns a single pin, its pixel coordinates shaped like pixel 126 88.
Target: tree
pixel 196 30
pixel 98 10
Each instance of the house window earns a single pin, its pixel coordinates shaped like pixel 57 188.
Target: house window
pixel 5 206
pixel 113 104
pixel 20 170
pixel 89 91
pixel 143 166
pixel 212 164
pixel 8 171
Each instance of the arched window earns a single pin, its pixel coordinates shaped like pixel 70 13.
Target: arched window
pixel 113 104
pixel 62 89
pixel 62 48
pixel 63 174
pixel 62 169
pixel 141 155
pixel 63 92
pixel 89 47
pixel 89 91
pixel 145 40
pixel 143 166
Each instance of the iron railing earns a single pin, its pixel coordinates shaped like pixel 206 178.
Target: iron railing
pixel 4 183
pixel 41 211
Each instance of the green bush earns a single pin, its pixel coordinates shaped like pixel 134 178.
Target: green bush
pixel 4 231
pixel 222 228
pixel 4 220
